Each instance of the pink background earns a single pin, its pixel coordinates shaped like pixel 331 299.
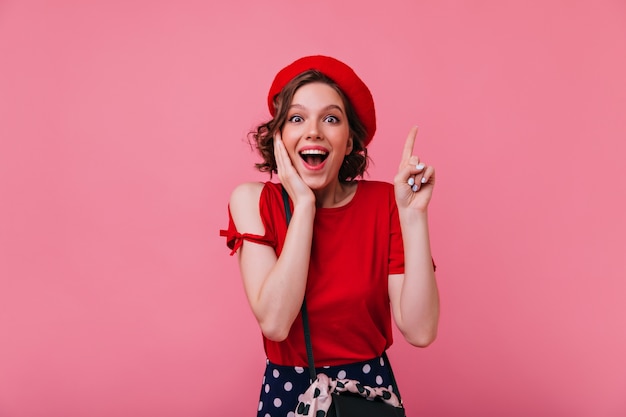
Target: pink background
pixel 122 128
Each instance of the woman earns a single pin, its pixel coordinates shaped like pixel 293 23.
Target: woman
pixel 358 249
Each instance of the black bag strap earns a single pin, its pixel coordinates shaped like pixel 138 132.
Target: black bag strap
pixel 303 311
pixel 307 340
pixel 305 322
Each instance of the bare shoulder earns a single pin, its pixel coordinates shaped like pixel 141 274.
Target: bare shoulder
pixel 246 192
pixel 244 207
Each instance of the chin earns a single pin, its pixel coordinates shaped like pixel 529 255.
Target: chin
pixel 316 184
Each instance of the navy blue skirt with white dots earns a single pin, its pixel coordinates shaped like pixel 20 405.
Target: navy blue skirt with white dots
pixel 282 385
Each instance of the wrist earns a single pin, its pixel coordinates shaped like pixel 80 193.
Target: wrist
pixel 304 208
pixel 413 214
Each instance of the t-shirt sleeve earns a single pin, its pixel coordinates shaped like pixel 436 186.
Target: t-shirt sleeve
pixel 234 239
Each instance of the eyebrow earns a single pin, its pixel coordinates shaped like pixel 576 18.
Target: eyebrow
pixel 329 107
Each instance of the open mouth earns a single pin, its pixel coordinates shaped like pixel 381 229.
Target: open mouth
pixel 313 157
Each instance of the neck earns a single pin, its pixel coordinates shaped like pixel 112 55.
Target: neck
pixel 335 195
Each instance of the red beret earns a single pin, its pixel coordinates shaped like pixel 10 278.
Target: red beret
pixel 347 80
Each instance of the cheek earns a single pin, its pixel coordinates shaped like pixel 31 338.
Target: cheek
pixel 290 139
pixel 348 142
pixel 349 146
pixel 290 133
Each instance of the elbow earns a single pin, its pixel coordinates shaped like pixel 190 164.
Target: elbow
pixel 275 324
pixel 274 331
pixel 421 339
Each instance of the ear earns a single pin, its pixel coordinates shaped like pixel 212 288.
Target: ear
pixel 349 145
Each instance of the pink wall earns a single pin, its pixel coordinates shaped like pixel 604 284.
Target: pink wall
pixel 122 127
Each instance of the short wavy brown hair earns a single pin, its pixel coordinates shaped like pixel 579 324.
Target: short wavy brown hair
pixel 354 164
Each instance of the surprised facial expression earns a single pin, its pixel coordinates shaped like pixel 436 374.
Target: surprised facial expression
pixel 317 134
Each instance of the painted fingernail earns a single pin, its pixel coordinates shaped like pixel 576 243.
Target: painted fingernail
pixel 424 180
pixel 415 188
pixel 419 166
pixel 411 181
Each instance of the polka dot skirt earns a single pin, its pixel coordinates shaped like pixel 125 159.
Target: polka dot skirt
pixel 283 384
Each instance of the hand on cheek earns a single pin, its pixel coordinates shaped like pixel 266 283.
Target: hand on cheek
pixel 287 174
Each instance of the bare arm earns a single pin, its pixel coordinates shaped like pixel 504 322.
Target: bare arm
pixel 414 295
pixel 274 285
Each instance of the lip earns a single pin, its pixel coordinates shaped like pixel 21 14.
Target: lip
pixel 315 148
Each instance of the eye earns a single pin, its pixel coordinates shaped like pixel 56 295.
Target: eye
pixel 331 119
pixel 296 119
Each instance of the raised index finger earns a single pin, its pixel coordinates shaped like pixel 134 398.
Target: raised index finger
pixel 408 146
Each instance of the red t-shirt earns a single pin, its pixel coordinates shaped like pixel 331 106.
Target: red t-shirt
pixel 354 249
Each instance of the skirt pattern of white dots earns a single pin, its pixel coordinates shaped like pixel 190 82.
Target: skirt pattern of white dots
pixel 282 385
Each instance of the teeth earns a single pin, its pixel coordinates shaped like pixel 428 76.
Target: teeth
pixel 313 152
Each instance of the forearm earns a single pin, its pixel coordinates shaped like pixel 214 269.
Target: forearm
pixel 419 297
pixel 279 297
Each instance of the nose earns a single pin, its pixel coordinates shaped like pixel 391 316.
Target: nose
pixel 313 130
